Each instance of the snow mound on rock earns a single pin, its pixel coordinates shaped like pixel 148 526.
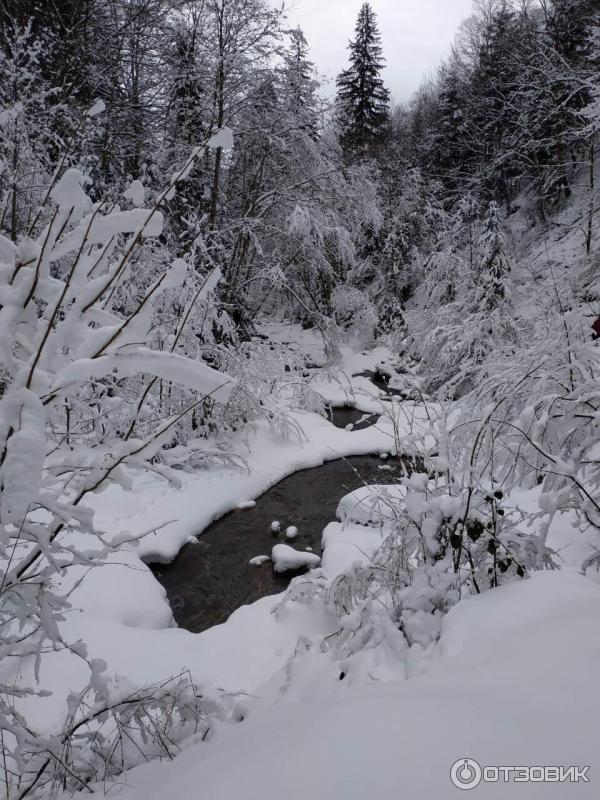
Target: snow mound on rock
pixel 371 505
pixel 286 558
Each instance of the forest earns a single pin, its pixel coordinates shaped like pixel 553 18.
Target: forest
pixel 218 272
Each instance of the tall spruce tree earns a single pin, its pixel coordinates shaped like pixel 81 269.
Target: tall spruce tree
pixel 299 87
pixel 495 259
pixel 362 99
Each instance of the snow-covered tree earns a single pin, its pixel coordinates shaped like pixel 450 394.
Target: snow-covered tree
pixel 298 83
pixel 362 99
pixel 495 261
pixel 79 370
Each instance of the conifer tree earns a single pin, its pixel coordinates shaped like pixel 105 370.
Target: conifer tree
pixel 495 259
pixel 447 141
pixel 299 85
pixel 362 99
pixel 569 23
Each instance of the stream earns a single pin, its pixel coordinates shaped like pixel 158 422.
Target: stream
pixel 212 578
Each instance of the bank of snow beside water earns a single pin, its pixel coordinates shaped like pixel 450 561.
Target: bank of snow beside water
pixel 121 611
pixel 512 679
pixel 179 514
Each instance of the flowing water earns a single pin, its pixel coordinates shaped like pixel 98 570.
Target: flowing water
pixel 212 578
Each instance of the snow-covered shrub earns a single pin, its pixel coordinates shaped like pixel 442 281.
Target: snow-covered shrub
pixel 462 316
pixel 355 314
pixel 74 359
pixel 542 408
pixel 112 727
pixel 450 531
pixel 453 341
pixel 269 384
pixel 449 539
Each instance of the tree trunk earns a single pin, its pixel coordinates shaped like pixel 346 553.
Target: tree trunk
pixel 590 228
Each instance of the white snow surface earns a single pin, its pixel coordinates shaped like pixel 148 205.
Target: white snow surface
pixel 285 558
pixel 223 139
pixel 371 505
pixel 512 682
pixel 258 561
pixel 178 514
pixel 136 193
pixel 98 108
pixel 121 611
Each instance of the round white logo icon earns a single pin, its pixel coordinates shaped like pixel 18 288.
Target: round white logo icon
pixel 466 774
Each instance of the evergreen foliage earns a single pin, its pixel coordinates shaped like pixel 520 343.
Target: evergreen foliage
pixel 362 99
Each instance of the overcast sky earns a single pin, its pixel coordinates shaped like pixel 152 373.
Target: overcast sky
pixel 417 35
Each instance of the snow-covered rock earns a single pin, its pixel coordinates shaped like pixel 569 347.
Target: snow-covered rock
pixel 258 561
pixel 286 558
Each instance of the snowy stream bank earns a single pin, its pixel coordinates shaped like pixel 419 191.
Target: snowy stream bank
pixel 229 565
pixel 383 729
pixel 122 612
pixel 210 579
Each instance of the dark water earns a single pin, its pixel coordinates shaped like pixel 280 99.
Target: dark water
pixel 211 579
pixel 346 415
pixel 381 381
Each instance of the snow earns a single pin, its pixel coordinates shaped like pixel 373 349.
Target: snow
pixel 572 546
pixel 223 139
pixel 291 532
pixel 211 282
pixel 512 683
pixel 102 227
pixel 8 251
pixel 246 504
pixel 258 561
pixel 349 544
pixel 285 558
pixel 136 193
pixel 98 108
pixel 68 192
pixel 369 505
pixel 21 471
pixel 176 274
pixel 177 515
pixel 168 366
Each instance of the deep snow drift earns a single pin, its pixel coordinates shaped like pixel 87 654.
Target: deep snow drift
pixel 511 683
